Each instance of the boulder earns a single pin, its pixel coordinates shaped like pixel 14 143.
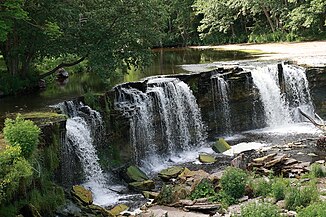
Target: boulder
pixel 134 174
pixel 171 172
pixel 221 146
pixel 142 186
pixel 81 194
pixel 207 158
pixel 100 211
pixel 115 211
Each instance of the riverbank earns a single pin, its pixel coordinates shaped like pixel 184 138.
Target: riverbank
pixel 303 53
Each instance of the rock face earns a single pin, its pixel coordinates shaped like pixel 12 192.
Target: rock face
pixel 221 146
pixel 82 195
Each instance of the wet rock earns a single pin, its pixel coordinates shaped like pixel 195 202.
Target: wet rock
pixel 206 158
pixel 321 142
pixel 118 209
pixel 171 172
pixel 99 211
pixel 142 186
pixel 134 174
pixel 221 146
pixel 82 195
pixel 150 194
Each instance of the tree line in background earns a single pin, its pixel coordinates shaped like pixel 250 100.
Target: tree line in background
pixel 118 34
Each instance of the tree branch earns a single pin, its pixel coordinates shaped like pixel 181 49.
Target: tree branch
pixel 63 65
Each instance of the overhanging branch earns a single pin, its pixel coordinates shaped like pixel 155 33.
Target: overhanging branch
pixel 63 65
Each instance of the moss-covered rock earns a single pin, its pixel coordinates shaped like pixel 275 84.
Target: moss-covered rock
pixel 142 186
pixel 221 146
pixel 207 158
pixel 81 194
pixel 150 194
pixel 134 174
pixel 171 172
pixel 118 209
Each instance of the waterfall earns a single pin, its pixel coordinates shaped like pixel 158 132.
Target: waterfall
pixel 220 92
pixel 282 100
pixel 83 123
pixel 163 119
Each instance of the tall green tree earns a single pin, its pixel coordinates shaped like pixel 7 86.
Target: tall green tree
pixel 109 34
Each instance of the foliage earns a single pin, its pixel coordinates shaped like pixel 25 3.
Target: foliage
pixel 205 189
pixel 300 196
pixel 23 133
pixel 260 209
pixel 279 187
pixel 313 210
pixel 261 187
pixel 317 171
pixel 14 169
pixel 233 182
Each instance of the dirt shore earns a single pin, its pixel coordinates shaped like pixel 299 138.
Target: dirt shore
pixel 305 53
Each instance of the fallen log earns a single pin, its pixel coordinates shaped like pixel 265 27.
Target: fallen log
pixel 319 125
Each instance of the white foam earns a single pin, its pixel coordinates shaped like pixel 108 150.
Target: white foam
pixel 244 146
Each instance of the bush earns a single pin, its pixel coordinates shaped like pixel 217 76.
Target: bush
pixel 313 210
pixel 233 182
pixel 298 197
pixel 23 133
pixel 279 188
pixel 259 210
pixel 14 169
pixel 204 189
pixel 317 171
pixel 261 187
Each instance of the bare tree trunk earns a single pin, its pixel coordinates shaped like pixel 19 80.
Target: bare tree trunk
pixel 266 12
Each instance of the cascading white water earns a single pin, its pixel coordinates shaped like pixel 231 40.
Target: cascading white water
pixel 84 126
pixel 164 119
pixel 220 90
pixel 297 91
pixel 280 107
pixel 79 130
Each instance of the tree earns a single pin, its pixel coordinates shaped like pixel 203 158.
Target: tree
pixel 109 34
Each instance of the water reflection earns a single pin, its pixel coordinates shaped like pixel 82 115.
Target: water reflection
pixel 165 61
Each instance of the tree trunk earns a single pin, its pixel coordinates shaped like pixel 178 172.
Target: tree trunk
pixel 266 12
pixel 61 65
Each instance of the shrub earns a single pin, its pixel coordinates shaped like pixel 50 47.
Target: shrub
pixel 23 133
pixel 313 210
pixel 279 187
pixel 261 187
pixel 233 182
pixel 298 197
pixel 14 169
pixel 259 210
pixel 204 189
pixel 317 171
